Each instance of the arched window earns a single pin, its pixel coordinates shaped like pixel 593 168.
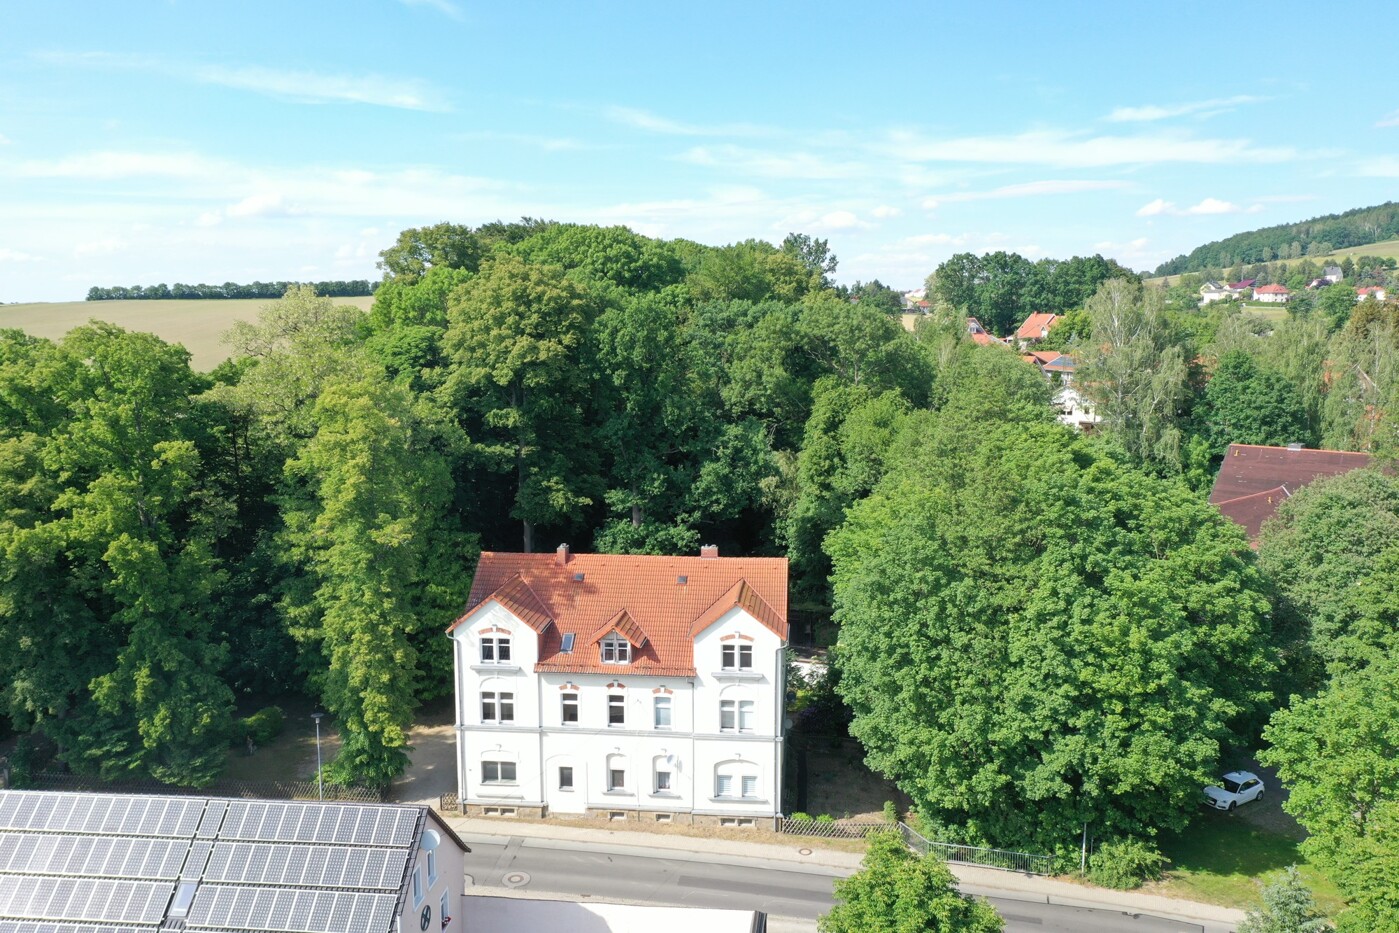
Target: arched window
pixel 738 711
pixel 429 845
pixel 736 780
pixel 663 775
pixel 616 772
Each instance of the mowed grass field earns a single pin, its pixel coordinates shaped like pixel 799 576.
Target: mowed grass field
pixel 198 325
pixel 1388 249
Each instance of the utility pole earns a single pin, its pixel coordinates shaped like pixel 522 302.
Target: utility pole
pixel 320 782
pixel 1083 851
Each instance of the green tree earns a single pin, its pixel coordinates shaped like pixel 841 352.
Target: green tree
pixel 1135 373
pixel 367 527
pixel 419 249
pixel 611 254
pixel 518 336
pixel 1034 637
pixel 896 891
pixel 1245 404
pixel 1287 907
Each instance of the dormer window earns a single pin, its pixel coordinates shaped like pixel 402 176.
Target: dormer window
pixel 616 650
pixel 495 649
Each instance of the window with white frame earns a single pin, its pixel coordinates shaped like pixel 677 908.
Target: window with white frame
pixel 497 772
pixel 662 712
pixel 737 657
pixel 616 649
pixel 497 706
pixel 663 780
pixel 616 709
pixel 616 772
pixel 442 909
pixel 565 777
pixel 570 709
pixel 417 886
pixel 495 649
pixel 736 715
pixel 736 780
pixel 431 867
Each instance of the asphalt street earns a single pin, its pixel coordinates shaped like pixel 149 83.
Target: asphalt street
pixel 618 874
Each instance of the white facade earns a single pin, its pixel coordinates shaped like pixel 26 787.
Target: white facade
pixel 1271 297
pixel 619 741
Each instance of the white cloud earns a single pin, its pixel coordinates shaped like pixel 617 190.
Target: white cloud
pixel 547 143
pixel 102 247
pixel 1070 150
pixel 841 220
pixel 105 165
pixel 1380 167
pixel 14 255
pixel 1198 108
pixel 1389 119
pixel 209 219
pixel 442 6
pixel 1207 206
pixel 4 140
pixel 1025 190
pixel 303 86
pixel 645 120
pixel 262 204
pixel 885 211
pixel 773 165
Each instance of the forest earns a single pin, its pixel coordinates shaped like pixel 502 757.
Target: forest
pixel 1309 238
pixel 161 291
pixel 1036 629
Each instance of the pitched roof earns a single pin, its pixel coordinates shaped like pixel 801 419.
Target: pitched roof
pixel 1271 290
pixel 516 596
pixel 161 863
pixel 1369 290
pixel 658 599
pixel 1036 325
pixel 1254 480
pixel 1241 285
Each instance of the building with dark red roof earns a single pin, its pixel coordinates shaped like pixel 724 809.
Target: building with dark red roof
pixel 627 687
pixel 1253 480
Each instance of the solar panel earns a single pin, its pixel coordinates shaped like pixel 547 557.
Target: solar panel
pixel 253 908
pixel 102 856
pixel 344 824
pixel 50 898
pixel 307 866
pixel 44 926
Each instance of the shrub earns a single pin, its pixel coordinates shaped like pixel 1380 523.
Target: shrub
pixel 800 817
pixel 33 752
pixel 825 818
pixel 1125 864
pixel 261 727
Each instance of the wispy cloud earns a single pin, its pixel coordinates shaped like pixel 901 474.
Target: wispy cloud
pixel 646 120
pixel 107 165
pixel 287 84
pixel 774 164
pixel 1207 206
pixel 4 140
pixel 14 255
pixel 444 7
pixel 1201 108
pixel 547 143
pixel 1380 167
pixel 1071 150
pixel 1389 119
pixel 1027 189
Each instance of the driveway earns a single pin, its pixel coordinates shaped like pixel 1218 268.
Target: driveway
pixel 432 767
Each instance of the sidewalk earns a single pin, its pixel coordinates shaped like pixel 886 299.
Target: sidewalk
pixel 974 880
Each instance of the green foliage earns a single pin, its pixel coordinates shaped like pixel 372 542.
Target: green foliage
pixel 1080 652
pixel 898 892
pixel 1002 289
pixel 420 249
pixel 612 254
pixel 801 817
pixel 1125 864
pixel 1245 404
pixel 261 727
pixel 1286 906
pixel 825 818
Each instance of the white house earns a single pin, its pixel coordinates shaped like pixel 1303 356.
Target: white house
pixel 624 687
pixel 1376 291
pixel 1275 294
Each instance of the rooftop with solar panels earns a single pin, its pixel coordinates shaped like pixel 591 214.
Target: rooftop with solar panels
pixel 109 863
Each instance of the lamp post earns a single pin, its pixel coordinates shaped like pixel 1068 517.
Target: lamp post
pixel 320 786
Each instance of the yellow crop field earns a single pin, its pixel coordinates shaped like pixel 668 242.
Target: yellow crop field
pixel 197 324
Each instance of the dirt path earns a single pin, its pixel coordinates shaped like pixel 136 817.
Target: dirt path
pixel 432 771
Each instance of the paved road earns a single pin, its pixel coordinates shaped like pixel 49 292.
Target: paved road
pixel 617 873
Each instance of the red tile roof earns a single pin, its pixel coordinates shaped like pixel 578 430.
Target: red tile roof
pixel 1271 290
pixel 1036 326
pixel 1253 481
pixel 641 597
pixel 1369 290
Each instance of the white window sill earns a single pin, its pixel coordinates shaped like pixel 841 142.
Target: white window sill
pixel 490 667
pixel 737 674
pixel 662 728
pixel 665 793
pixel 500 783
pixel 724 731
pixel 753 800
pixel 619 792
pixel 498 722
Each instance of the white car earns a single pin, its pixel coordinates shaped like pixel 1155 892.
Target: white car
pixel 1237 787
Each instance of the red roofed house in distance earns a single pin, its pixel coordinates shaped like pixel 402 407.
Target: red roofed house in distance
pixel 622 687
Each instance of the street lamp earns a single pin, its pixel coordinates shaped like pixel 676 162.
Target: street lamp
pixel 320 786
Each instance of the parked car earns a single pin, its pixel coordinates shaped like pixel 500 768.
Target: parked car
pixel 1235 788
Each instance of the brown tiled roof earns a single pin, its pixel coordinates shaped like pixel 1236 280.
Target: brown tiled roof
pixel 588 595
pixel 623 624
pixel 1253 481
pixel 1030 330
pixel 516 596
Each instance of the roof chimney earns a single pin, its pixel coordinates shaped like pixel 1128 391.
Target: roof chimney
pixel 1294 446
pixel 709 550
pixel 561 555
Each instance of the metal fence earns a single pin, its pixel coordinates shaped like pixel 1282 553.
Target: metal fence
pixel 273 790
pixel 449 803
pixel 1024 862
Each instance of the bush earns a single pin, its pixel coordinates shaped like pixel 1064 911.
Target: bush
pixel 261 727
pixel 33 752
pixel 825 818
pixel 1125 864
pixel 800 817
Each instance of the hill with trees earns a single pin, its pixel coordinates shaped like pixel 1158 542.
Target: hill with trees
pixel 1315 237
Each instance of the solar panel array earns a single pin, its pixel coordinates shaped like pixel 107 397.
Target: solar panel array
pixel 101 814
pixel 84 899
pixel 45 926
pixel 345 824
pixel 307 866
pixel 281 909
pixel 101 856
pixel 97 863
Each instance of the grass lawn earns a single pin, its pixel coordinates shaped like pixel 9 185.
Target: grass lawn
pixel 1265 310
pixel 292 755
pixel 1221 858
pixel 198 324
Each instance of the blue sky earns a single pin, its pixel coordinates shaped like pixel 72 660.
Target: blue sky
pixel 143 142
